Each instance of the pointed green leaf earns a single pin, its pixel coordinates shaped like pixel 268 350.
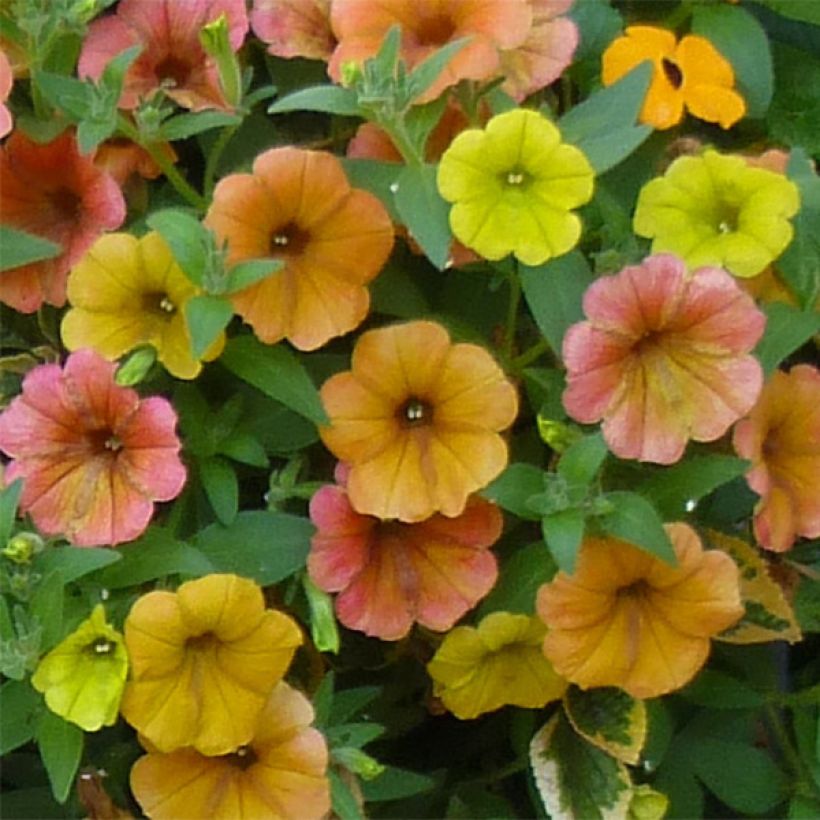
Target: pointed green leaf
pixel 187 239
pixel 520 576
pixel 563 531
pixel 206 317
pixel 251 271
pixel 9 498
pixel 61 747
pixel 582 460
pixel 72 96
pixel 19 705
pixel 423 210
pixel 635 520
pixel 222 488
pixel 75 562
pixel 429 69
pixel 331 99
pixel 21 248
pixel 183 126
pixel 787 329
pixel 47 607
pixel 394 783
pixel 514 487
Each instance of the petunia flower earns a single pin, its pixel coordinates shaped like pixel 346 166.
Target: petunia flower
pixel 279 773
pixel 715 209
pixel 204 660
pixel 417 419
pixel 298 206
pixel 6 82
pixel 125 159
pixel 294 28
pixel 93 456
pixel 663 357
pixel 172 56
pixel 127 292
pixel 390 575
pixel 514 185
pixel 83 677
pixel 52 191
pixel 499 663
pixel 625 618
pixel 781 437
pixel 691 74
pixel 361 25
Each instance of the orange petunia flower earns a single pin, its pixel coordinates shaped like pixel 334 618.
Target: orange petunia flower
pixel 294 28
pixel 689 74
pixel 52 191
pixel 204 660
pixel 390 575
pixel 93 456
pixel 280 773
pixel 418 419
pixel 663 357
pixel 625 618
pixel 298 206
pixel 361 25
pixel 781 437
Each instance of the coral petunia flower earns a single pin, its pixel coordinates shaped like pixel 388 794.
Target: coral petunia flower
pixel 690 74
pixel 361 25
pixel 127 292
pixel 83 677
pixel 417 419
pixel 298 206
pixel 781 437
pixel 499 663
pixel 715 209
pixel 52 191
pixel 390 575
pixel 294 28
pixel 172 56
pixel 625 618
pixel 93 456
pixel 204 660
pixel 280 773
pixel 514 185
pixel 6 82
pixel 663 357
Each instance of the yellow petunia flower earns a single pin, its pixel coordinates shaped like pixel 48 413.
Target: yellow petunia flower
pixel 499 663
pixel 127 292
pixel 513 186
pixel 715 209
pixel 691 74
pixel 83 677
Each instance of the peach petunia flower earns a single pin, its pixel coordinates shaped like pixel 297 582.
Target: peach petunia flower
pixel 93 456
pixel 52 191
pixel 781 437
pixel 6 82
pixel 361 25
pixel 279 773
pixel 417 419
pixel 499 663
pixel 625 618
pixel 663 357
pixel 690 74
pixel 204 660
pixel 294 28
pixel 172 56
pixel 298 206
pixel 390 575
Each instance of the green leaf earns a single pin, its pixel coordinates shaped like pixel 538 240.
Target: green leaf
pixel 247 273
pixel 807 12
pixel 787 329
pixel 187 239
pixel 90 133
pixel 394 783
pixel 554 293
pixel 61 747
pixel 342 800
pixel 277 372
pixel 576 779
pixel 222 488
pixel 206 317
pixel 243 447
pixel 635 520
pixel 113 76
pixel 429 69
pixel 563 531
pixel 520 577
pixel 21 248
pixel 75 562
pixel 582 460
pixel 331 99
pixel 67 94
pixel 265 546
pixel 47 606
pixel 424 211
pixel 717 690
pixel 738 36
pixel 377 177
pixel 156 554
pixel 19 704
pixel 183 126
pixel 672 489
pixel 793 118
pixel 349 702
pixel 9 499
pixel 514 487
pixel 604 125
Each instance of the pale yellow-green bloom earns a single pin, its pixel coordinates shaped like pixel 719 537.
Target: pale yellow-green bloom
pixel 513 186
pixel 126 292
pixel 83 677
pixel 717 210
pixel 499 663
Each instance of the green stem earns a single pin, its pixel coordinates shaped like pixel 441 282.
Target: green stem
pixel 215 155
pixel 530 355
pixel 508 345
pixel 774 722
pixel 398 135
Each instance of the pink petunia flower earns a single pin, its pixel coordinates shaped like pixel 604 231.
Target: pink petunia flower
pixel 172 56
pixel 93 456
pixel 390 575
pixel 53 191
pixel 294 28
pixel 6 82
pixel 663 357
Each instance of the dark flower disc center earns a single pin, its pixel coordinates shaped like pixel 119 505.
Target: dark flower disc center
pixel 415 413
pixel 172 71
pixel 243 758
pixel 287 240
pixel 159 304
pixel 101 646
pixel 104 440
pixel 67 203
pixel 672 72
pixel 435 30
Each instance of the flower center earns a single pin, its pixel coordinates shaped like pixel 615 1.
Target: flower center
pixel 288 240
pixel 434 30
pixel 728 219
pixel 672 72
pixel 637 589
pixel 101 646
pixel 202 643
pixel 172 71
pixel 415 413
pixel 515 178
pixel 160 304
pixel 243 758
pixel 104 440
pixel 67 204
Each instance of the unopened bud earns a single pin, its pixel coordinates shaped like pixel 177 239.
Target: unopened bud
pixel 215 39
pixel 23 547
